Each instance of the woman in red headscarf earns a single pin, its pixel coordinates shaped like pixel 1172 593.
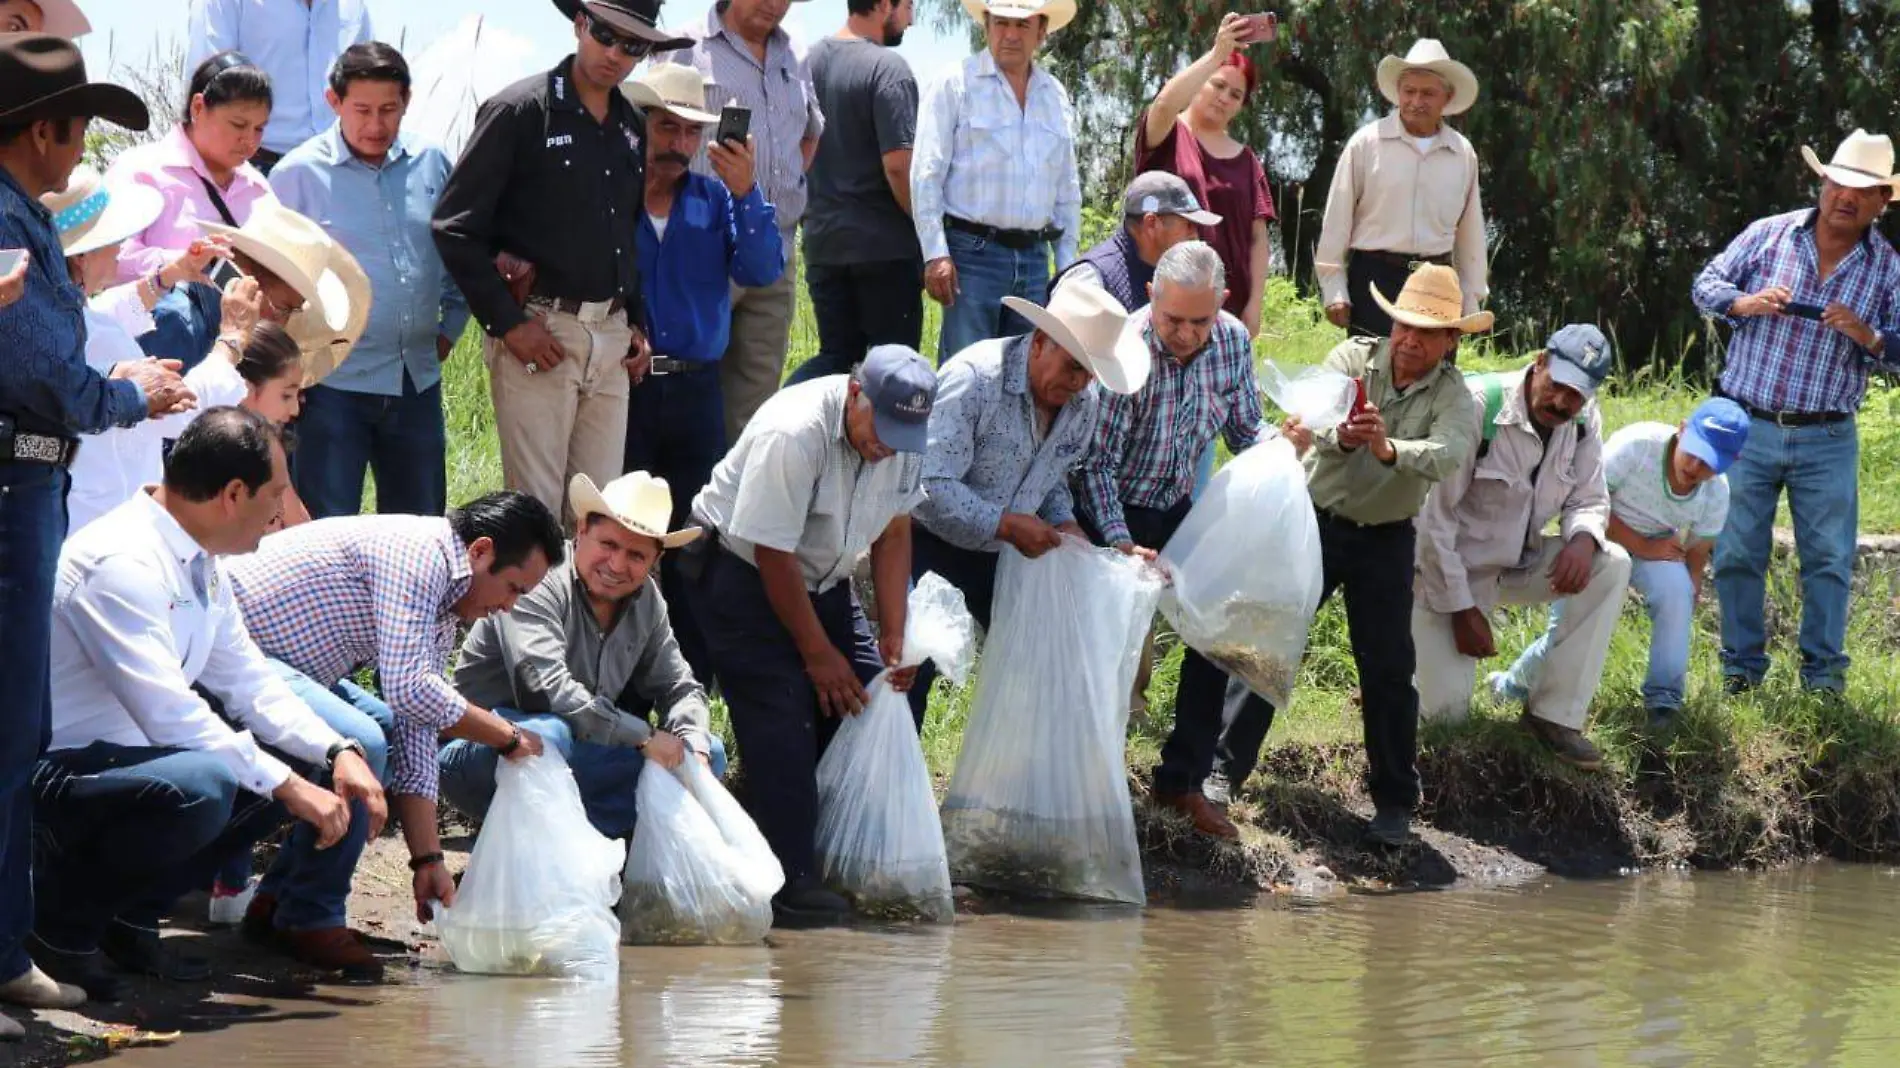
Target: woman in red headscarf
pixel 1184 132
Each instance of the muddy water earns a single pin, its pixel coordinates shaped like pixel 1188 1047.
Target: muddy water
pixel 1792 968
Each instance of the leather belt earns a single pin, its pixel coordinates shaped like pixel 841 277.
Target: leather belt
pixel 1327 516
pixel 667 365
pixel 1789 420
pixel 1409 261
pixel 1015 239
pixel 20 446
pixel 587 311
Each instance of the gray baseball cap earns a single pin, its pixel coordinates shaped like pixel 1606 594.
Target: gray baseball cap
pixel 1580 357
pixel 1161 193
pixel 903 389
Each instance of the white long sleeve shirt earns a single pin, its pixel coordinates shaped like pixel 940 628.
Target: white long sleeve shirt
pixel 140 613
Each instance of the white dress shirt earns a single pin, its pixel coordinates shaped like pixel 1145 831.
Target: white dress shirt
pixel 140 612
pixel 293 41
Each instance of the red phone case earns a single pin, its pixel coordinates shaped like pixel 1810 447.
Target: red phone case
pixel 1358 398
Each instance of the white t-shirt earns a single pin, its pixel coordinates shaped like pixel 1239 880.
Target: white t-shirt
pixel 1633 461
pixel 659 225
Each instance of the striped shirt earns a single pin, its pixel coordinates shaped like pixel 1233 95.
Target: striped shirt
pixel 980 156
pixel 784 106
pixel 1785 363
pixel 329 597
pixel 1148 446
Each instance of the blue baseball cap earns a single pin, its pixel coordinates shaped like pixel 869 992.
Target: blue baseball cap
pixel 903 389
pixel 1580 357
pixel 1715 433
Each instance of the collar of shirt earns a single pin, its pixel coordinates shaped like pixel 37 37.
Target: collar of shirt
pixel 983 65
pixel 180 546
pixel 176 152
pixel 12 197
pixel 716 27
pixel 1391 129
pixel 333 149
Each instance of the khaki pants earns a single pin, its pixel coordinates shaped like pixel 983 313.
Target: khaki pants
pixel 565 420
pixel 1572 668
pixel 754 362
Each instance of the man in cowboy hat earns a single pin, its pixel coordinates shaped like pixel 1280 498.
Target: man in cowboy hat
pixel 1481 542
pixel 700 238
pixel 987 212
pixel 1136 484
pixel 48 396
pixel 295 42
pixel 1813 297
pixel 61 18
pixel 1014 416
pixel 584 657
pixel 1369 477
pixel 550 180
pixel 827 473
pixel 1159 211
pixel 1405 191
pixel 306 282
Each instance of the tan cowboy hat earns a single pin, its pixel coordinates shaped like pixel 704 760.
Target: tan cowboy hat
pixel 1863 161
pixel 671 87
pixel 1432 300
pixel 62 18
pixel 640 502
pixel 1428 54
pixel 1088 323
pixel 91 215
pixel 1059 12
pixel 333 285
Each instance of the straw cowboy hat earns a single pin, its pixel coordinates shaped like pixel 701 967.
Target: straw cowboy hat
pixel 62 18
pixel 1432 300
pixel 1090 325
pixel 1428 54
pixel 333 285
pixel 1863 161
pixel 640 502
pixel 91 215
pixel 671 87
pixel 1059 12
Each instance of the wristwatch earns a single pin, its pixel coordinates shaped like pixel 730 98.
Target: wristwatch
pixel 347 745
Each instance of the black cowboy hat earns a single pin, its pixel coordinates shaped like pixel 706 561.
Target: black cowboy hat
pixel 631 18
pixel 44 77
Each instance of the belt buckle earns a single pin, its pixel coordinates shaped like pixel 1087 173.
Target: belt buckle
pixel 38 447
pixel 662 365
pixel 594 312
pixel 1412 266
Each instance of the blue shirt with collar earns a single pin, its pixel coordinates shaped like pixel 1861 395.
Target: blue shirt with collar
pixel 381 214
pixel 711 238
pixel 45 385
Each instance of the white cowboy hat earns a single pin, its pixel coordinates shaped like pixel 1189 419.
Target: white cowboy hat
pixel 671 87
pixel 62 18
pixel 640 502
pixel 91 215
pixel 1428 54
pixel 1059 12
pixel 1863 161
pixel 333 285
pixel 1432 300
pixel 1089 323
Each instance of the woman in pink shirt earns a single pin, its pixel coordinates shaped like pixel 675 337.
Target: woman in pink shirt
pixel 202 168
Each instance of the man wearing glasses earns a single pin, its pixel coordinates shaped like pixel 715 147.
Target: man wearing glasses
pixel 552 180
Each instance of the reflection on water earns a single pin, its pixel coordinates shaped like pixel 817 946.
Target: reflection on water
pixel 1800 967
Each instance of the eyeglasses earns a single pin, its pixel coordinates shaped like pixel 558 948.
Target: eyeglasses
pixel 631 47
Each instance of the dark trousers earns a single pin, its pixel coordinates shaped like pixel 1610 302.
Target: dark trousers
pixel 1372 567
pixel 858 306
pixel 775 717
pixel 1362 271
pixel 341 434
pixel 968 570
pixel 32 526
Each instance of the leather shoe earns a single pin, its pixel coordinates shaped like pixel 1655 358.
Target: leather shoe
pixel 84 971
pixel 334 949
pixel 259 926
pixel 805 904
pixel 1390 826
pixel 141 951
pixel 1207 819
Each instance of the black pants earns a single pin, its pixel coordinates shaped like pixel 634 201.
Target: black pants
pixel 1372 566
pixel 676 429
pixel 968 570
pixel 861 305
pixel 1368 319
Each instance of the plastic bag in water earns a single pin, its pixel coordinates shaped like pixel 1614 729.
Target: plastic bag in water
pixel 1039 803
pixel 1246 570
pixel 538 896
pixel 1320 396
pixel 699 872
pixel 879 841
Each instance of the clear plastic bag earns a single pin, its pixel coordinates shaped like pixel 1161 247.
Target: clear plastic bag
pixel 879 840
pixel 1039 803
pixel 1246 570
pixel 699 872
pixel 538 896
pixel 1320 396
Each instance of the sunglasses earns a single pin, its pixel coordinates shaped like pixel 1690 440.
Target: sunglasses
pixel 631 47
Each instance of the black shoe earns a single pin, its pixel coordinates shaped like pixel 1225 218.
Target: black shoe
pixel 1737 685
pixel 85 970
pixel 1391 827
pixel 804 903
pixel 1662 719
pixel 141 951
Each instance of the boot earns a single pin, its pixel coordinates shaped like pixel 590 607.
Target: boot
pixel 1565 743
pixel 805 904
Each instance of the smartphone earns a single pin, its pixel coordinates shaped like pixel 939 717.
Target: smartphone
pixel 1261 27
pixel 222 273
pixel 9 259
pixel 1805 311
pixel 735 124
pixel 1358 399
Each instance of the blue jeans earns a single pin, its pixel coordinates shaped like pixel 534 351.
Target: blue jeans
pixel 341 434
pixel 32 526
pixel 1819 467
pixel 1669 598
pixel 605 774
pixel 986 273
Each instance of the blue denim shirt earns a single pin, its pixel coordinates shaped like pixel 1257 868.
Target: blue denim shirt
pixel 710 238
pixel 45 384
pixel 381 214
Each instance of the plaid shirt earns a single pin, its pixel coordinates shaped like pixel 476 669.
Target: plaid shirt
pixel 335 595
pixel 1147 446
pixel 1784 363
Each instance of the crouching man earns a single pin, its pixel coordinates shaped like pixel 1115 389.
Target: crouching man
pixel 584 657
pixel 1481 543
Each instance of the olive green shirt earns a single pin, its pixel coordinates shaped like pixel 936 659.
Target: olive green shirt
pixel 1429 424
